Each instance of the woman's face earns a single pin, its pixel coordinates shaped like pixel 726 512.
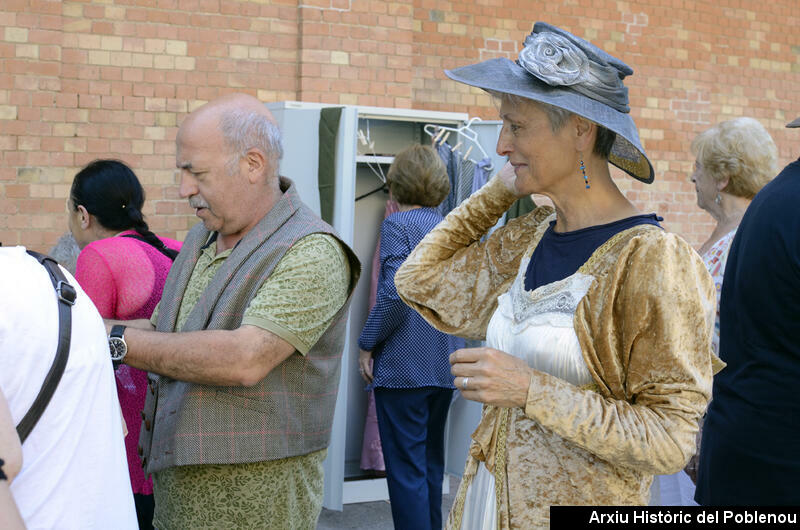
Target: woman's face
pixel 542 159
pixel 705 186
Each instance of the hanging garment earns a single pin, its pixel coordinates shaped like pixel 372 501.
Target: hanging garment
pixel 451 162
pixel 481 175
pixel 465 179
pixel 371 449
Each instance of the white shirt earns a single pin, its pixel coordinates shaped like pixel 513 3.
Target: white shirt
pixel 74 472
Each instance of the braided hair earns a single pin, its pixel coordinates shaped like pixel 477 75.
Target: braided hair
pixel 110 191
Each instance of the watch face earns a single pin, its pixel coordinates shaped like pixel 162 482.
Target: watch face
pixel 118 348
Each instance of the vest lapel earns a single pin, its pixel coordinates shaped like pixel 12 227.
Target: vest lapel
pixel 178 277
pixel 254 240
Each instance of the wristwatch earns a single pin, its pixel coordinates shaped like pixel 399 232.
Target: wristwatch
pixel 117 345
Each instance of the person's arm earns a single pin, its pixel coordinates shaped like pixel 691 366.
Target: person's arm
pixel 141 323
pixel 10 519
pixel 10 465
pixel 655 334
pixel 289 313
pixel 388 311
pixel 243 356
pixel 452 278
pixel 656 319
pixel 10 448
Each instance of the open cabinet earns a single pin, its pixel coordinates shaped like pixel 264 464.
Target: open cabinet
pixel 364 143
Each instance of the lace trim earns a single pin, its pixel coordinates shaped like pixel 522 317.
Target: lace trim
pixel 562 296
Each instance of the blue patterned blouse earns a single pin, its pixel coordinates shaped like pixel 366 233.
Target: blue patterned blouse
pixel 407 351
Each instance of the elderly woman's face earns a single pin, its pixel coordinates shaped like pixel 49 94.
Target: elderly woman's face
pixel 705 186
pixel 542 159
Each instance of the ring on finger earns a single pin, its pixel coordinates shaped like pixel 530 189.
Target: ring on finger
pixel 464 383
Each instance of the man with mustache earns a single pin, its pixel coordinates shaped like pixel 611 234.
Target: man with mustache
pixel 244 348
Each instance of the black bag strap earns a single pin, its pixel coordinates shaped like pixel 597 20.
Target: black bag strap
pixel 66 299
pixel 164 249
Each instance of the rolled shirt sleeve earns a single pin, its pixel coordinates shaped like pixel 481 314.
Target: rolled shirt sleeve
pixel 304 292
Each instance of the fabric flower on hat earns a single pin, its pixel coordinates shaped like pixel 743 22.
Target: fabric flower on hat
pixel 560 61
pixel 554 59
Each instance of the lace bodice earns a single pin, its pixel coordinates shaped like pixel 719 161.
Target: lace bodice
pixel 537 326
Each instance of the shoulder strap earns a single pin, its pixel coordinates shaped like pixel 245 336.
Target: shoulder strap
pixel 164 249
pixel 66 299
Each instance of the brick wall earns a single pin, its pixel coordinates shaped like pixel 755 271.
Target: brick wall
pixel 81 80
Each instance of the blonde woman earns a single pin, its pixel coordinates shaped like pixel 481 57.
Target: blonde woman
pixel 733 161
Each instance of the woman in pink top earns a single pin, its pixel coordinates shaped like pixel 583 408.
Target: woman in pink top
pixel 122 267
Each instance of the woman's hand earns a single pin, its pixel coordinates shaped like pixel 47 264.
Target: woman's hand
pixel 365 365
pixel 490 376
pixel 508 176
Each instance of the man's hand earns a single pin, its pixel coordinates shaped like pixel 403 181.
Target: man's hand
pixel 365 365
pixel 490 376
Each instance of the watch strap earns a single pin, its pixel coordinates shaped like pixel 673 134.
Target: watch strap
pixel 117 331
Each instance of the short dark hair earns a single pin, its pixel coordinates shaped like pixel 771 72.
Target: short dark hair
pixel 418 176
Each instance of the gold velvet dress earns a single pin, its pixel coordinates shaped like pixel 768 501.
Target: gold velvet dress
pixel 641 311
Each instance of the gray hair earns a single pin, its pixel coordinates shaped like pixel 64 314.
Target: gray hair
pixel 558 117
pixel 66 251
pixel 244 130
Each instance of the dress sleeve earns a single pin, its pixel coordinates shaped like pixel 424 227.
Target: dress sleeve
pixel 647 327
pixel 389 311
pixel 452 278
pixel 95 277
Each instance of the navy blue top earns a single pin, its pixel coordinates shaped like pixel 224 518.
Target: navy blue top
pixel 407 351
pixel 750 452
pixel 561 254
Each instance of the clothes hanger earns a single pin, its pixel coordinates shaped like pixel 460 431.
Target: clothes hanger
pixel 440 133
pixel 366 141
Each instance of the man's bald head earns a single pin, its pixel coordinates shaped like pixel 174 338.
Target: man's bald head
pixel 227 152
pixel 215 108
pixel 244 122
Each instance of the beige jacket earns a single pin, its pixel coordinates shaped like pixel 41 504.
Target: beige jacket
pixel 644 327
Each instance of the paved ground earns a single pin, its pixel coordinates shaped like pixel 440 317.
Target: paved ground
pixel 373 515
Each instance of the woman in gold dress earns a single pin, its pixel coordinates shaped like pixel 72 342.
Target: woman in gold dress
pixel 598 323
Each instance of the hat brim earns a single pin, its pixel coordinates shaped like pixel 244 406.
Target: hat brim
pixel 794 123
pixel 503 75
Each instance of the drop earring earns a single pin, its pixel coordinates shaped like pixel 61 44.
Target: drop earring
pixel 585 177
pixel 718 199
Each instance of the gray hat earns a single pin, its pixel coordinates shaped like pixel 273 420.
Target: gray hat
pixel 794 123
pixel 565 71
